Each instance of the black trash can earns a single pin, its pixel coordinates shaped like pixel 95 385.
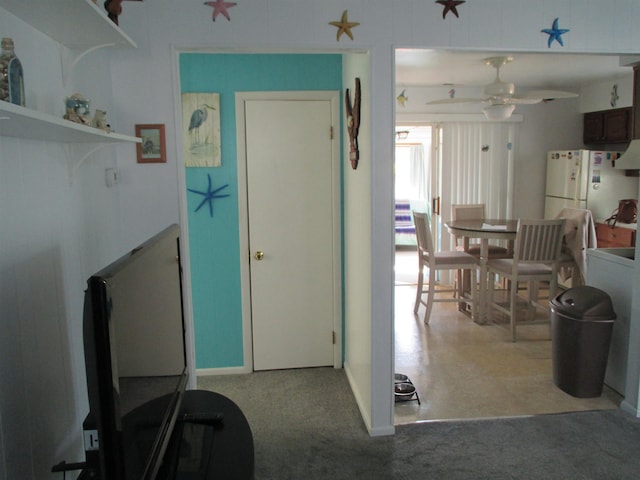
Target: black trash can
pixel 581 324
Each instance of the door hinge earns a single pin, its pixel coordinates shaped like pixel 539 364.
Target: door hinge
pixel 333 337
pixel 331 132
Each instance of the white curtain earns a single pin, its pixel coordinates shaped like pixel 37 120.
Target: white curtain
pixel 477 167
pixel 418 173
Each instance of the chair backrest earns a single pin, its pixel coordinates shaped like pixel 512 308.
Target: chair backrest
pixel 468 211
pixel 577 219
pixel 538 241
pixel 423 232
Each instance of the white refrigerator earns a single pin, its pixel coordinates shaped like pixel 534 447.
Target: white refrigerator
pixel 586 179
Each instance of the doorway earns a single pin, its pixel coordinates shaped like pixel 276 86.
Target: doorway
pixel 460 369
pixel 288 163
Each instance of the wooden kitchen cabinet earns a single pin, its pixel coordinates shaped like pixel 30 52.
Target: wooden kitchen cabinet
pixel 609 237
pixel 608 126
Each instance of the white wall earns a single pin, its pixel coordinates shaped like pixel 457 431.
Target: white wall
pixel 597 96
pixel 55 231
pixel 59 224
pixel 546 126
pixel 357 254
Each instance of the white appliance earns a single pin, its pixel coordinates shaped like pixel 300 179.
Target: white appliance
pixel 586 179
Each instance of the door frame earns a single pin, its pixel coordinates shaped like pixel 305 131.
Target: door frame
pixel 243 212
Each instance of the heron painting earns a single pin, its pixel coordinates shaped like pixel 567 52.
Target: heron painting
pixel 201 129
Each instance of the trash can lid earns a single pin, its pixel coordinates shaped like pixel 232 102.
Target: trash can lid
pixel 584 303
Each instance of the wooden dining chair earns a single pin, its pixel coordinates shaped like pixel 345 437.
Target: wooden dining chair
pixel 473 211
pixel 535 260
pixel 434 261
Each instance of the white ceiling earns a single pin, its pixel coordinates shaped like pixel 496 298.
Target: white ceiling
pixel 416 67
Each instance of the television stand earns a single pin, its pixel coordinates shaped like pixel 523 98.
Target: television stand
pixel 211 440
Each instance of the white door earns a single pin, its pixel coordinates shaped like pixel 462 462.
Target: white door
pixel 291 172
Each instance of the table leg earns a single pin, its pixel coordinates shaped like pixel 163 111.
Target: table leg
pixel 483 305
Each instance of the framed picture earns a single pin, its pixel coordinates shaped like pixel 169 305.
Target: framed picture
pixel 153 147
pixel 201 129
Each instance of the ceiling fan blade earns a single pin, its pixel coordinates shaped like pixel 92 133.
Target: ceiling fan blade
pixel 548 94
pixel 523 100
pixel 456 100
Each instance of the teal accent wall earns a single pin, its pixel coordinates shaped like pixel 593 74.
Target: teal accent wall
pixel 214 241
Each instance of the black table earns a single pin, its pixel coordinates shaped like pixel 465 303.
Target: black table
pixel 211 450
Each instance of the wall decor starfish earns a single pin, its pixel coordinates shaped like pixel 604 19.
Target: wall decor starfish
pixel 555 33
pixel 344 26
pixel 450 6
pixel 209 195
pixel 220 7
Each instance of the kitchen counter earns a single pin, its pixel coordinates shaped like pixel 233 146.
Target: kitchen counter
pixel 624 255
pixel 612 271
pixel 630 226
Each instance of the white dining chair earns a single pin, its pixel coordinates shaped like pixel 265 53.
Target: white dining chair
pixel 434 261
pixel 535 260
pixel 473 211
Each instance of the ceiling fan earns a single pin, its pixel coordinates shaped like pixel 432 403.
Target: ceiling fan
pixel 500 96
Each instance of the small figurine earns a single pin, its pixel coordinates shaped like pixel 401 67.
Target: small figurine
pixel 77 109
pixel 100 121
pixel 114 9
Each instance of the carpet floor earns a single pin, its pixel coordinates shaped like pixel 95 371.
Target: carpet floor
pixel 306 425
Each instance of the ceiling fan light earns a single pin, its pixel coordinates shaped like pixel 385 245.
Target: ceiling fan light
pixel 500 89
pixel 498 112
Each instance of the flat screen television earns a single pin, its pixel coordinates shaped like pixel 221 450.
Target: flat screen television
pixel 135 356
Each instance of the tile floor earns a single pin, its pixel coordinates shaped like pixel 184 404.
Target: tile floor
pixel 464 370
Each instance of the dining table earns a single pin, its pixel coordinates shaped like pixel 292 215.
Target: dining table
pixel 484 229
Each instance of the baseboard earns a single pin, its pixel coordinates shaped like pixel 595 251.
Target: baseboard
pixel 364 413
pixel 201 372
pixel 627 407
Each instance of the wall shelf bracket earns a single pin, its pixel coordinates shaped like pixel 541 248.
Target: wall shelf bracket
pixel 79 153
pixel 70 59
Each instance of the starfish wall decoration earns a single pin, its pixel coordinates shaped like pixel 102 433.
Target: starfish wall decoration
pixel 344 26
pixel 209 195
pixel 554 33
pixel 450 6
pixel 220 7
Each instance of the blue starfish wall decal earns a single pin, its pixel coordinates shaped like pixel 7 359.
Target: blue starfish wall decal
pixel 209 195
pixel 555 33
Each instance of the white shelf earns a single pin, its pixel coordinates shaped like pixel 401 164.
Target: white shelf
pixel 79 25
pixel 76 24
pixel 17 121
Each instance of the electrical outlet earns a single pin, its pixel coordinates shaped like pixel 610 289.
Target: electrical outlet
pixel 91 440
pixel 111 176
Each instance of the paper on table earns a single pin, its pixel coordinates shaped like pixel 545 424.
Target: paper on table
pixel 488 226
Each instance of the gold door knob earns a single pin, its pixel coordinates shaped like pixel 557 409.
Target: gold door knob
pixel 259 255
